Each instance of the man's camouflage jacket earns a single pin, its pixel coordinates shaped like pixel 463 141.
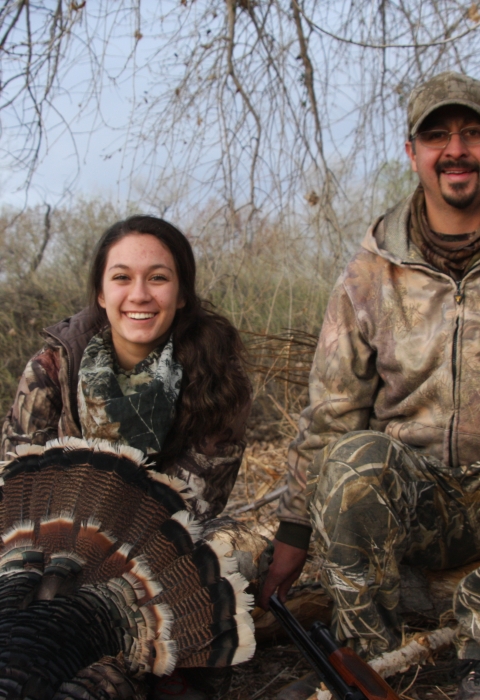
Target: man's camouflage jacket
pixel 399 352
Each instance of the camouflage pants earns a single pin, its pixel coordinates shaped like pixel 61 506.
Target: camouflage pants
pixel 374 503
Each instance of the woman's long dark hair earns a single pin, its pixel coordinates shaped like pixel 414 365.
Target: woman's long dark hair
pixel 215 386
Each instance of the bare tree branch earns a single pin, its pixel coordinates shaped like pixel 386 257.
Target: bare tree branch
pixel 385 45
pixel 258 107
pixel 46 237
pixel 231 71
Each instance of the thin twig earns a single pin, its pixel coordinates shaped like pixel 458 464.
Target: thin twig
pixel 410 685
pixel 262 501
pixel 284 413
pixel 46 237
pixel 260 692
pixel 364 45
pixel 444 693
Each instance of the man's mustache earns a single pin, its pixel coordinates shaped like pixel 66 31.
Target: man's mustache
pixel 462 163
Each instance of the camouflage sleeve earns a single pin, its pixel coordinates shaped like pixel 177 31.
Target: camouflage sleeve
pixel 211 469
pixel 343 384
pixel 34 416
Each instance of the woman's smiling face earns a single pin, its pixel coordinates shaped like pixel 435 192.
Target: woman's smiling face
pixel 140 294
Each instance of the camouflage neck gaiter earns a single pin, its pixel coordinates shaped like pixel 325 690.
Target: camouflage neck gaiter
pixel 134 407
pixel 448 253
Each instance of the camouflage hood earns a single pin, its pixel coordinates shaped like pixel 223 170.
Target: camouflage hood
pixel 388 236
pixel 399 353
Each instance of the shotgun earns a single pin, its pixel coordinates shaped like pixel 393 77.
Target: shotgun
pixel 344 673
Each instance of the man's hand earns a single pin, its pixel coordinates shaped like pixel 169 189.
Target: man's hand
pixel 286 567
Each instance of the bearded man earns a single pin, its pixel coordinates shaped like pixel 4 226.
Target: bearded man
pixel 386 466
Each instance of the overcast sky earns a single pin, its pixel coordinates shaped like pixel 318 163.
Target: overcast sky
pixel 87 129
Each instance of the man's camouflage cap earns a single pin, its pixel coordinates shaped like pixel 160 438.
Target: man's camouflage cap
pixel 443 89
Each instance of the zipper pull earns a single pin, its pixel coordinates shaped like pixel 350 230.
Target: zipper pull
pixel 459 294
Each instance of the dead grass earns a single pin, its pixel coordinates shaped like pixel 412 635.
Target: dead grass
pixel 274 667
pixel 263 470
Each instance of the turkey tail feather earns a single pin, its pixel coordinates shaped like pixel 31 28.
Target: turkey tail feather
pixel 99 547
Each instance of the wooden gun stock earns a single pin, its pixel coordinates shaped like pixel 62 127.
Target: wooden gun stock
pixel 344 673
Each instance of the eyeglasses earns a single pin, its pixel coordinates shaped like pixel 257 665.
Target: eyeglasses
pixel 440 138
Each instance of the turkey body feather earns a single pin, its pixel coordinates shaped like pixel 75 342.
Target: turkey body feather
pixel 104 576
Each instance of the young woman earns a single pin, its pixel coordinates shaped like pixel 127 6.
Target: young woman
pixel 150 365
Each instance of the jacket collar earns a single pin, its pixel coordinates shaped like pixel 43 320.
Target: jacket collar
pixel 74 334
pixel 388 236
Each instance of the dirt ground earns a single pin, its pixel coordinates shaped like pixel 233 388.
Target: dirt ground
pixel 277 664
pixel 274 667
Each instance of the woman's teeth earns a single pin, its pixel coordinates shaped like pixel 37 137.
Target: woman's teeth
pixel 139 316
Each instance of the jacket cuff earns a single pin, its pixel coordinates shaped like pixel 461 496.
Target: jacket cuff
pixel 294 534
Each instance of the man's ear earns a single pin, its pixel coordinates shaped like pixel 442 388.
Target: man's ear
pixel 410 151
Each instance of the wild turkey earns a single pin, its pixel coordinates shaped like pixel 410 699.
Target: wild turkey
pixel 104 577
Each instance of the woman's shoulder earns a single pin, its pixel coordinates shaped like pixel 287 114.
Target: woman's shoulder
pixel 76 329
pixel 73 334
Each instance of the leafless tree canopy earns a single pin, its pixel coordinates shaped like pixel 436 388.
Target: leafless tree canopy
pixel 256 104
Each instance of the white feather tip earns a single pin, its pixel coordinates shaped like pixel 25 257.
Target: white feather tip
pixel 23 530
pixel 165 657
pixel 24 450
pixel 228 565
pixel 243 601
pixel 187 520
pixel 67 443
pixel 120 450
pixel 246 645
pixel 178 485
